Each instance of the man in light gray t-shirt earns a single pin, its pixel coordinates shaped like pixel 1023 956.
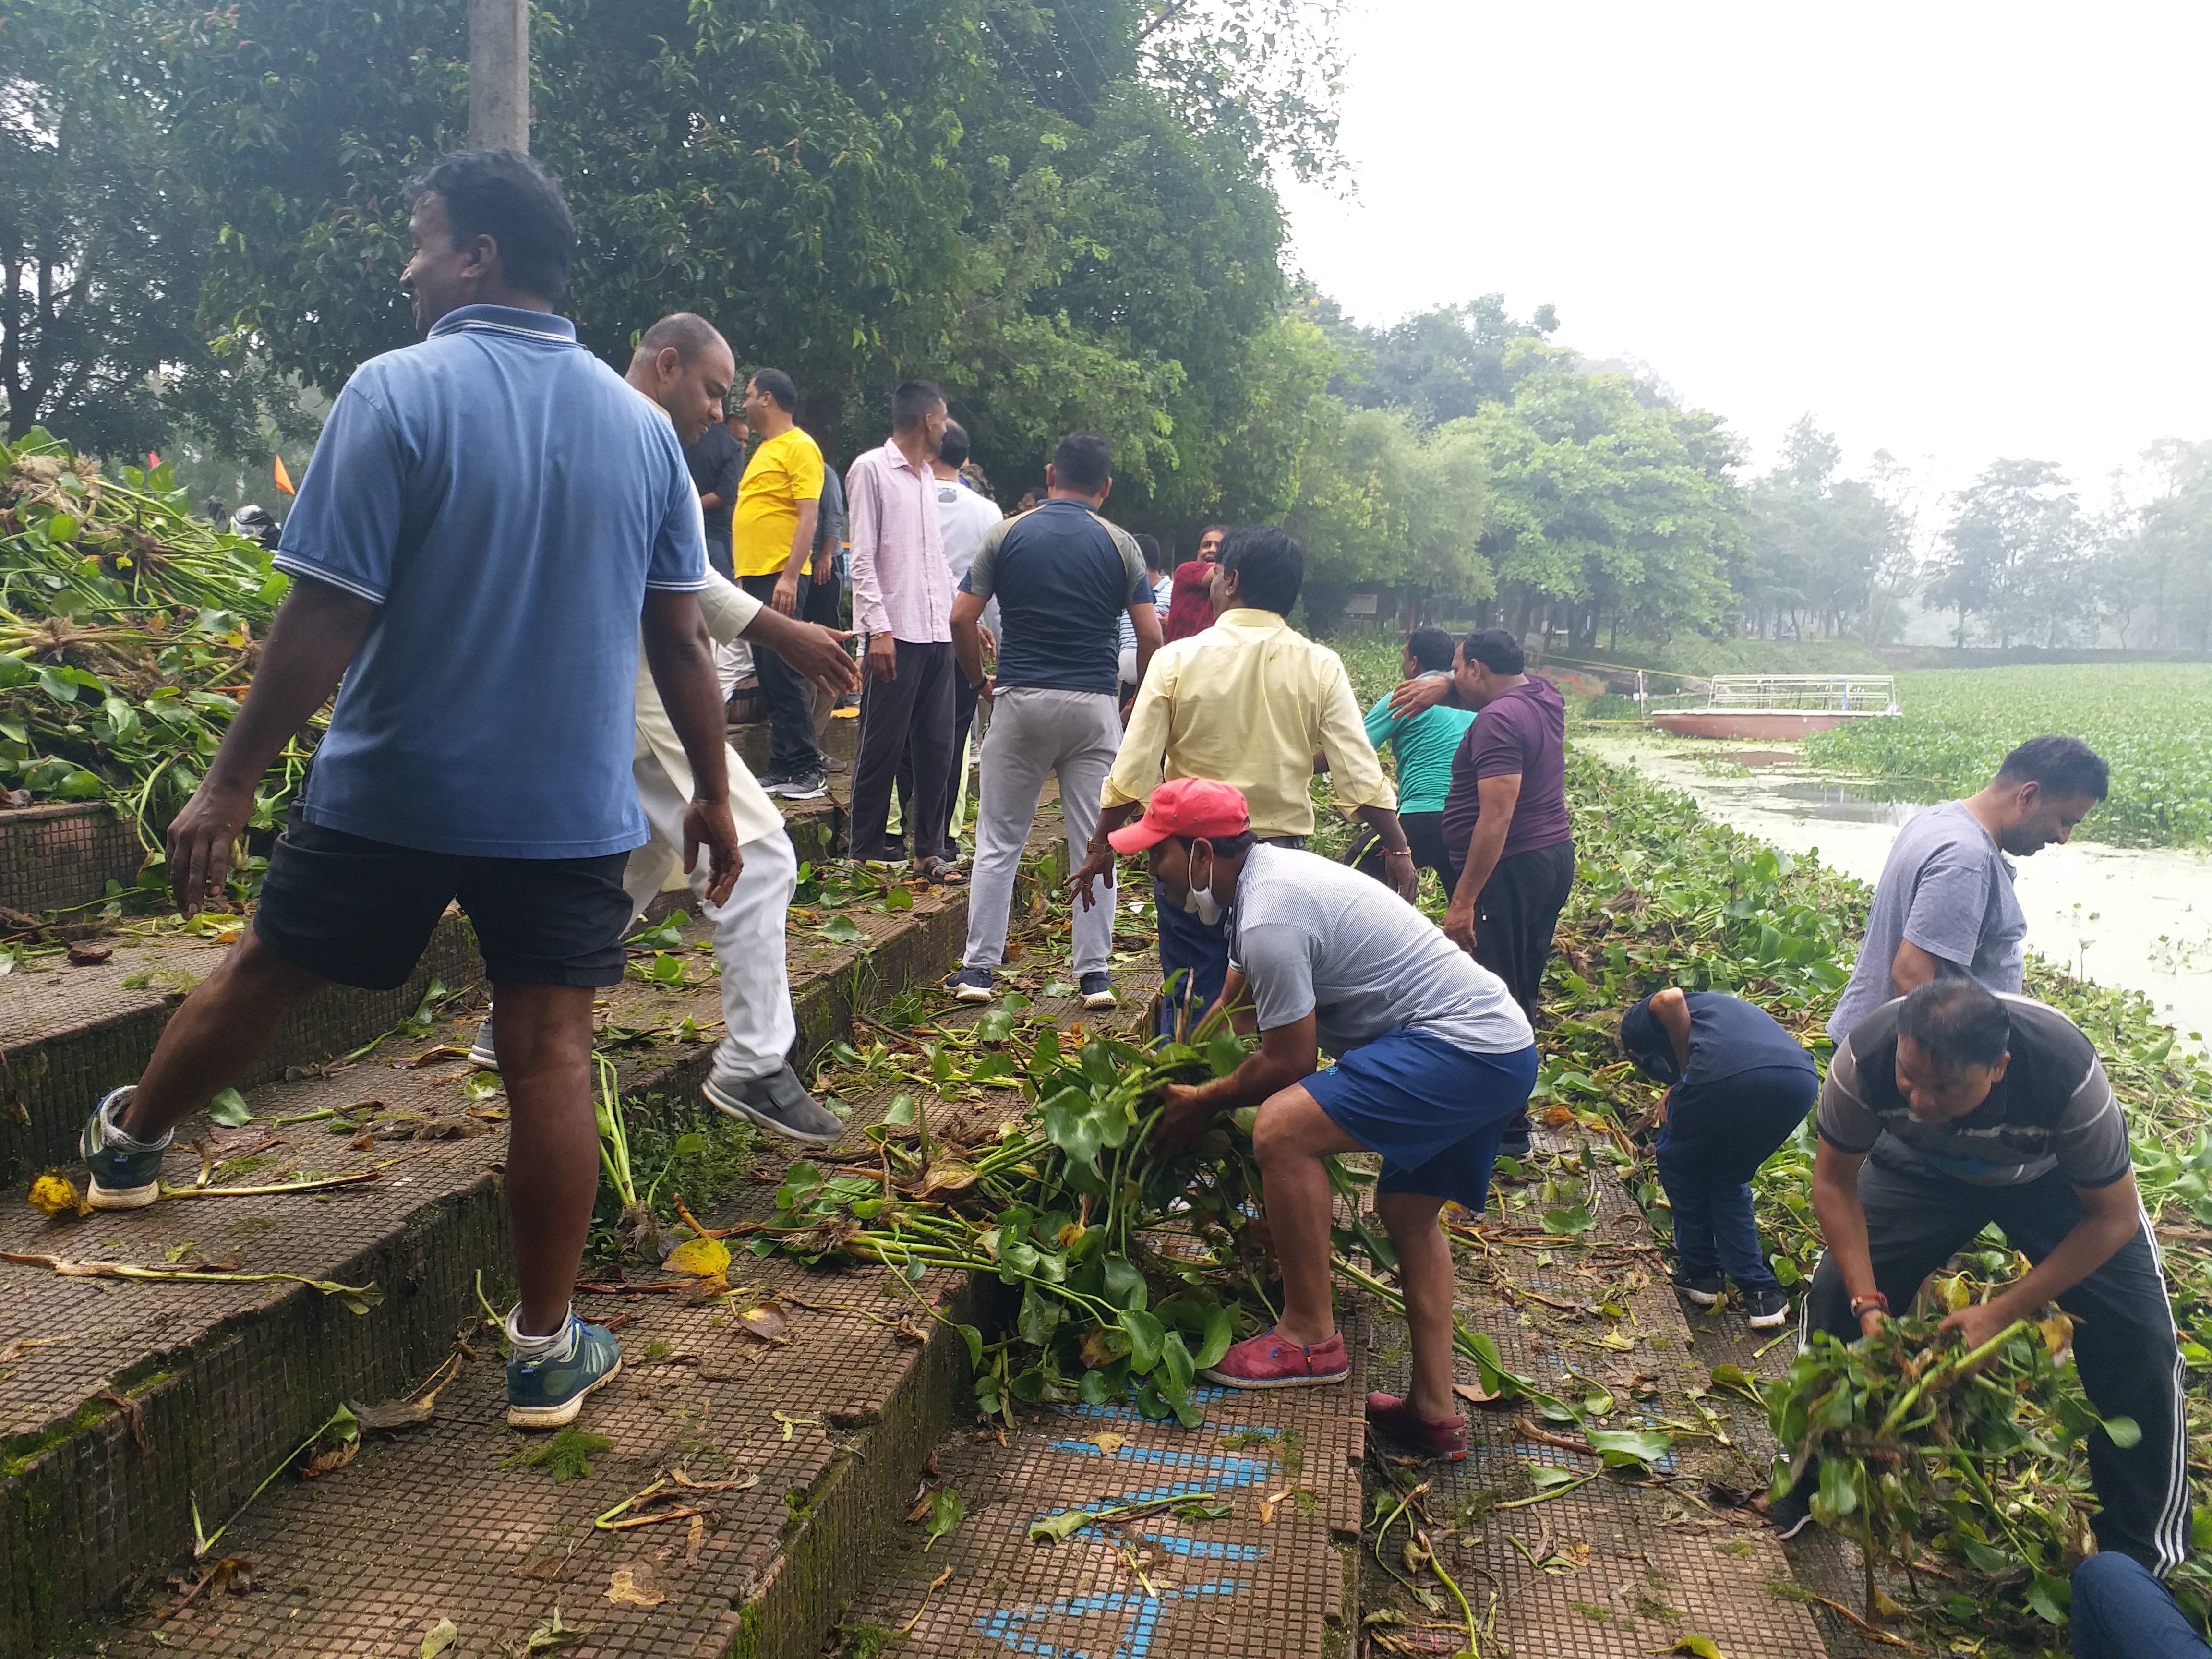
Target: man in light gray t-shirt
pixel 1433 1057
pixel 1945 903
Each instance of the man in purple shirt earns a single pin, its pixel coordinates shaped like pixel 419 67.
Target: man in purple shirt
pixel 1505 828
pixel 903 601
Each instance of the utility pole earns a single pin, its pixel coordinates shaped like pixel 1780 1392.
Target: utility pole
pixel 499 74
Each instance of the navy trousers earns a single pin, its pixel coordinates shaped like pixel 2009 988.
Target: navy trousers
pixel 1714 1138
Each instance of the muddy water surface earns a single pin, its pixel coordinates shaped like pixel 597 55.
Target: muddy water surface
pixel 2140 917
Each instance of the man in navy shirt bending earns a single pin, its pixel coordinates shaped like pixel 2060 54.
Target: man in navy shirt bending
pixel 490 518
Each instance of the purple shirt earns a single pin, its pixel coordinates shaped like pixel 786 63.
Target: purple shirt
pixel 1523 730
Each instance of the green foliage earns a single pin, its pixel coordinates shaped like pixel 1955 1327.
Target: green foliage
pixel 1824 550
pixel 2151 721
pixel 692 1152
pixel 102 254
pixel 567 1456
pixel 127 629
pixel 2013 554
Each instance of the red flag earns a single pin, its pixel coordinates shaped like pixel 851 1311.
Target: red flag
pixel 284 478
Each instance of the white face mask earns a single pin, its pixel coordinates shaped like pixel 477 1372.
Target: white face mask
pixel 1200 902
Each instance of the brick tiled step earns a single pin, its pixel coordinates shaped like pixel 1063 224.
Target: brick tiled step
pixel 1634 1567
pixel 826 1430
pixel 68 1034
pixel 224 1379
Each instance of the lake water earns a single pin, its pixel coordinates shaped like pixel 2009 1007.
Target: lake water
pixel 2140 917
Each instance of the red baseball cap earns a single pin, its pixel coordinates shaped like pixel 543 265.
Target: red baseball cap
pixel 1186 807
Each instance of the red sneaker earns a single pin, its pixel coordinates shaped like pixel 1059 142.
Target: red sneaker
pixel 1268 1362
pixel 1445 1437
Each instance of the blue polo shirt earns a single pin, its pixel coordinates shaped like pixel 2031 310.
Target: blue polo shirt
pixel 505 500
pixel 1063 577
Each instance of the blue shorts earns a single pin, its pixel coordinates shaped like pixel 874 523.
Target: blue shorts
pixel 1434 1112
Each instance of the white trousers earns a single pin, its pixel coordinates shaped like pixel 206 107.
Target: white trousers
pixel 1035 733
pixel 749 939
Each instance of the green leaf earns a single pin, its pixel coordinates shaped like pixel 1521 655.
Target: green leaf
pixel 1146 1339
pixel 1219 1336
pixel 1040 1316
pixel 901 1112
pixel 896 899
pixel 840 930
pixel 945 1512
pixel 1059 1528
pixel 1839 1494
pixel 995 1025
pixel 974 1338
pixel 1576 1219
pixel 1546 1476
pixel 2051 1596
pixel 229 1110
pixel 1620 1448
pixel 1225 1053
pixel 440 1637
pixel 1180 1370
pixel 1125 1285
pixel 2124 1431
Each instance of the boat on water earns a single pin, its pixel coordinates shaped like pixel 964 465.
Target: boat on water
pixel 1775 708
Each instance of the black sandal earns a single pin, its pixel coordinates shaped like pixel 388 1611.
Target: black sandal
pixel 940 871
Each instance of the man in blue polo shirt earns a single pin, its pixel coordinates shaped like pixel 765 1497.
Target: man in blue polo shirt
pixel 1064 578
pixel 490 518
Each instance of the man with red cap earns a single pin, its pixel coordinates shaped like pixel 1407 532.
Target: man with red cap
pixel 1433 1057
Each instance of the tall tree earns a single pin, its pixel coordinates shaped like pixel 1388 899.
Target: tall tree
pixel 2012 555
pixel 102 248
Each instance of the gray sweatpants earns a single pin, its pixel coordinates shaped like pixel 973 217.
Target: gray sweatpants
pixel 1035 733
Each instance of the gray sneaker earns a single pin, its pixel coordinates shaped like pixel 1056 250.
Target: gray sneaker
pixel 778 1102
pixel 483 1053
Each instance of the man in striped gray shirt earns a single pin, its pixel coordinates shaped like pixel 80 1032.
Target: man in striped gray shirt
pixel 1955 1107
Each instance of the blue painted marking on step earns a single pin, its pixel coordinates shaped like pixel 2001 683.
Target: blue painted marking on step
pixel 1247 1470
pixel 1136 1636
pixel 1204 1549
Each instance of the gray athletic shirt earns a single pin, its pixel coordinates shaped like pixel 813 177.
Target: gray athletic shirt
pixel 1312 936
pixel 2052 1110
pixel 1947 888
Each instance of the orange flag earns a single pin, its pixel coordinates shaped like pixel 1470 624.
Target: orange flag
pixel 284 478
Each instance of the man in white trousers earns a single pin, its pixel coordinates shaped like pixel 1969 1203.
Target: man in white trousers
pixel 685 367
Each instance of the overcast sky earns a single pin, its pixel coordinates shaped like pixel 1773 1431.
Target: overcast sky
pixel 1955 231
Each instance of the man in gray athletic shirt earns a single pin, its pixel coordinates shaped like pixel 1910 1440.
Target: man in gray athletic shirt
pixel 1945 901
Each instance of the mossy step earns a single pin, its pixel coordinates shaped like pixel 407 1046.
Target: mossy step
pixel 828 1426
pixel 224 1379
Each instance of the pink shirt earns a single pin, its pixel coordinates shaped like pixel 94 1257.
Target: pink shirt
pixel 901 583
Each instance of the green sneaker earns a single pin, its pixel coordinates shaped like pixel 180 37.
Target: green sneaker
pixel 120 1180
pixel 545 1394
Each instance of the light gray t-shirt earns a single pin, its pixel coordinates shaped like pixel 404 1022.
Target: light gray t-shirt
pixel 1312 936
pixel 1947 888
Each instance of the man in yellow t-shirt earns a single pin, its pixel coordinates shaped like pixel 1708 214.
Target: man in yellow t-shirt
pixel 771 543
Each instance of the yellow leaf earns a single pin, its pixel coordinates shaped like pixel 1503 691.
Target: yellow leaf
pixel 624 1590
pixel 708 1258
pixel 1108 1444
pixel 51 1194
pixel 440 1637
pixel 2057 1332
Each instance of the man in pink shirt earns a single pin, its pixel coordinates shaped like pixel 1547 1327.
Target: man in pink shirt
pixel 903 601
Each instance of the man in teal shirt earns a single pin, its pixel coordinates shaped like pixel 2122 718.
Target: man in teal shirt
pixel 1425 742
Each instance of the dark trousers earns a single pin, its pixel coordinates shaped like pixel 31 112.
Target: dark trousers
pixel 1713 1142
pixel 963 717
pixel 2121 1612
pixel 792 748
pixel 1424 834
pixel 1515 916
pixel 1194 958
pixel 2124 1344
pixel 916 707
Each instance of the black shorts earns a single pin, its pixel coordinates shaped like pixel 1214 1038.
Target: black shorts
pixel 359 912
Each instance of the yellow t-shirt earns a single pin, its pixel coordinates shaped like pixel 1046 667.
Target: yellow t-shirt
pixel 783 472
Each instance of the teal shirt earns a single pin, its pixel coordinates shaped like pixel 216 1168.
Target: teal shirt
pixel 1425 745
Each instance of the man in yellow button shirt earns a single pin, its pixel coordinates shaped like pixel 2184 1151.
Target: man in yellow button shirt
pixel 772 545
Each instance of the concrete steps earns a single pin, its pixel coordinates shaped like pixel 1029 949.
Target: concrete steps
pixel 124 1404
pixel 811 1445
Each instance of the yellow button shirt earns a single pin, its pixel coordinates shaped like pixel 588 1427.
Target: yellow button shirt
pixel 1249 702
pixel 785 471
